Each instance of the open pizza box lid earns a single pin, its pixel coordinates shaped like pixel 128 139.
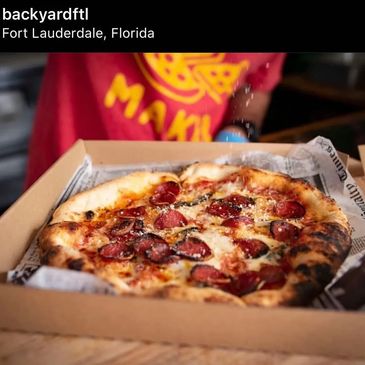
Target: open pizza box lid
pixel 297 330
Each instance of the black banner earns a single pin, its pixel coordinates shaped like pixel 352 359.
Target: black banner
pixel 108 26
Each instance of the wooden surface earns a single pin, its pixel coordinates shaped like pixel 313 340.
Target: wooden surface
pixel 29 349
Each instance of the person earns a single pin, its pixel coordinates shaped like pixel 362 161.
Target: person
pixel 150 96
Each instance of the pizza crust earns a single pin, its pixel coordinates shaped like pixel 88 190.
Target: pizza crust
pixel 191 294
pixel 206 171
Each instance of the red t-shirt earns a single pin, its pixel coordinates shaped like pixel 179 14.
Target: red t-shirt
pixel 150 96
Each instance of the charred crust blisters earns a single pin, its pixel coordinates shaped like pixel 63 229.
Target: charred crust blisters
pixel 89 215
pixel 76 264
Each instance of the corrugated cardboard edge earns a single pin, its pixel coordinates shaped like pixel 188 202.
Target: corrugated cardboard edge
pixel 286 330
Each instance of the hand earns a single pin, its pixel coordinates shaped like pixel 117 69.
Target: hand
pixel 232 134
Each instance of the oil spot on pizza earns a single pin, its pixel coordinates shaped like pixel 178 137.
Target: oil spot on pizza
pixel 323 273
pixel 89 215
pixel 75 264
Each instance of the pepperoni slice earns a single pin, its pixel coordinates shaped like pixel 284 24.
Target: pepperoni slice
pixel 284 231
pixel 165 193
pixel 289 209
pixel 168 186
pixel 224 209
pixel 251 247
pixel 285 265
pixel 193 248
pixel 235 222
pixel 163 199
pixel 132 212
pixel 208 275
pixel 158 252
pixel 145 242
pixel 119 251
pixel 171 218
pixel 273 276
pixel 200 185
pixel 122 227
pixel 239 200
pixel 244 283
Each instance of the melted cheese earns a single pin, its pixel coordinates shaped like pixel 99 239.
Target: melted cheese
pixel 218 243
pixel 191 213
pixel 180 271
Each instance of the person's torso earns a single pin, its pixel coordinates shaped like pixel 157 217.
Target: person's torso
pixel 156 96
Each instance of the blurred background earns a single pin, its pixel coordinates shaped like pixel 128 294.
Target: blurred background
pixel 320 94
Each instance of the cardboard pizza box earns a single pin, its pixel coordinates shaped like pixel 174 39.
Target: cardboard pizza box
pixel 297 330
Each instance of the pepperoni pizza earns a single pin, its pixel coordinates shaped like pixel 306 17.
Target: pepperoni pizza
pixel 214 233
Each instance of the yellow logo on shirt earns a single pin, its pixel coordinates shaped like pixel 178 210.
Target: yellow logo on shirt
pixel 188 77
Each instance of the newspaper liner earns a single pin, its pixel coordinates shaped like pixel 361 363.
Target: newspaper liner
pixel 317 162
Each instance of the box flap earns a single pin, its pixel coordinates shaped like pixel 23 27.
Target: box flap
pixel 109 152
pixel 283 329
